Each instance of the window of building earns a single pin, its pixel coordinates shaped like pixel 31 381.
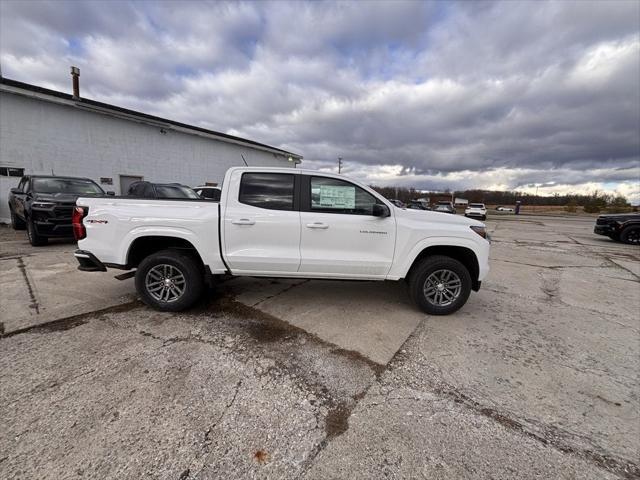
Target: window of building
pixel 267 190
pixel 338 196
pixel 11 172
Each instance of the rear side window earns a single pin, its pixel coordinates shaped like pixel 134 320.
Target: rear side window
pixel 267 190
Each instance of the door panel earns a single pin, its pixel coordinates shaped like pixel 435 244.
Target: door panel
pixel 358 245
pixel 262 240
pixel 339 235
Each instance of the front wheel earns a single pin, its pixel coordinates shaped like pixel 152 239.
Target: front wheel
pixel 440 285
pixel 631 235
pixel 169 281
pixel 16 222
pixel 34 239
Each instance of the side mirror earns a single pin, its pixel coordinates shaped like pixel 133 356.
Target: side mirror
pixel 111 193
pixel 380 210
pixel 16 191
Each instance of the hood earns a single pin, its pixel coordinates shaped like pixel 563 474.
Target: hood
pixel 439 217
pixel 619 216
pixel 56 197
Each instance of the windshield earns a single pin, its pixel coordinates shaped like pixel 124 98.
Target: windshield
pixel 476 205
pixel 75 186
pixel 175 191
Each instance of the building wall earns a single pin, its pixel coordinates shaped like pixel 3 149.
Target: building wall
pixel 42 137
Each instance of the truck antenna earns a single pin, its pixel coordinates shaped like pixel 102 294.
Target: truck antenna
pixel 245 162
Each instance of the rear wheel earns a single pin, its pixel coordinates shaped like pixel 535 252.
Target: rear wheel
pixel 35 239
pixel 16 222
pixel 440 285
pixel 169 281
pixel 631 235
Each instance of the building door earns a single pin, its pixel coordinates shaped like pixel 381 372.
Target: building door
pixel 126 181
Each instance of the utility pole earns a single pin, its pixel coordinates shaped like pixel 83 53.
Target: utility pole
pixel 339 164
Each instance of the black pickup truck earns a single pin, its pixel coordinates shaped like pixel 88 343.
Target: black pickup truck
pixel 44 204
pixel 624 227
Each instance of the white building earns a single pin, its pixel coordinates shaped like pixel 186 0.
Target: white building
pixel 44 131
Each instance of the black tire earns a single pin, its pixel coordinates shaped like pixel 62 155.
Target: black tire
pixel 16 222
pixel 186 265
pixel 433 265
pixel 631 235
pixel 484 218
pixel 34 239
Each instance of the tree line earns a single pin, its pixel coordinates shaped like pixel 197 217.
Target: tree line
pixel 591 203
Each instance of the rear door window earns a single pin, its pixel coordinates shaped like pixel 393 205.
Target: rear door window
pixel 274 191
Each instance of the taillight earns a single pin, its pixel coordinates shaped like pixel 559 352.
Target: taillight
pixel 79 232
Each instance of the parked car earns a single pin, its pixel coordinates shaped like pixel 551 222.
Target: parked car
pixel 43 205
pixel 418 205
pixel 445 207
pixel 505 209
pixel 208 192
pixel 624 227
pixel 276 222
pixel 476 210
pixel 143 189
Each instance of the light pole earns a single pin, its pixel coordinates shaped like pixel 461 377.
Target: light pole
pixel 339 164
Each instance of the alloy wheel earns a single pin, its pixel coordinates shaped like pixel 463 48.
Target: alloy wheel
pixel 165 283
pixel 442 287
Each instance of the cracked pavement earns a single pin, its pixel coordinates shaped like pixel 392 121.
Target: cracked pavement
pixel 536 377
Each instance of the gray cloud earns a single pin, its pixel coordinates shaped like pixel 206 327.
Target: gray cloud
pixel 465 94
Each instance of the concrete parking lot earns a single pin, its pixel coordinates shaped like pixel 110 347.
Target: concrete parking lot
pixel 536 377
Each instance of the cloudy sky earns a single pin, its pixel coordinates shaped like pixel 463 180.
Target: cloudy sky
pixel 506 95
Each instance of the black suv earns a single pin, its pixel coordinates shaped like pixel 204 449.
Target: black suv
pixel 624 227
pixel 143 189
pixel 43 205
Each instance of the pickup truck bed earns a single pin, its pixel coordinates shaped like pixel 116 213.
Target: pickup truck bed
pixel 282 223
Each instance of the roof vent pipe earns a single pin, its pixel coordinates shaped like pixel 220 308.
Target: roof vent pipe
pixel 75 73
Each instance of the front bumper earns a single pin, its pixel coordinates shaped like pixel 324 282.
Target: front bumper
pixel 603 229
pixel 88 262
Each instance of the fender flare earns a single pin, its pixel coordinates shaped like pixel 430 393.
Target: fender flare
pixel 462 242
pixel 151 231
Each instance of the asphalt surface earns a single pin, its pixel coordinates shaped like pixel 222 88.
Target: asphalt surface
pixel 536 377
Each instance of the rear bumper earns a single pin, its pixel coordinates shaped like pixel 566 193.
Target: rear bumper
pixel 88 262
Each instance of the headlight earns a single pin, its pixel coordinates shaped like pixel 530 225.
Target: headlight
pixel 482 231
pixel 42 204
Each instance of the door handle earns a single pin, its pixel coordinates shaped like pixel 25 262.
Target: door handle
pixel 243 221
pixel 320 225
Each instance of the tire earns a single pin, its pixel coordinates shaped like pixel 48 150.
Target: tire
pixel 34 239
pixel 173 265
pixel 631 235
pixel 16 222
pixel 484 218
pixel 444 270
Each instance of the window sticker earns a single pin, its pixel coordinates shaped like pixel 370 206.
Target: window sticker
pixel 333 196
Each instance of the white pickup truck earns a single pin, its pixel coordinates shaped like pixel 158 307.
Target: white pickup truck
pixel 280 222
